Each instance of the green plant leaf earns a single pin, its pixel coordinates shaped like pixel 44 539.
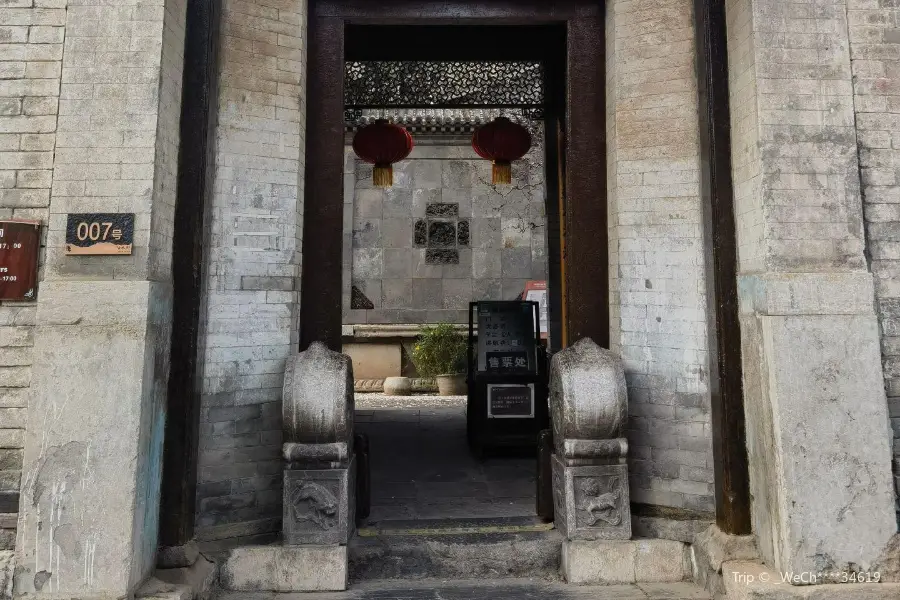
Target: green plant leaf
pixel 439 350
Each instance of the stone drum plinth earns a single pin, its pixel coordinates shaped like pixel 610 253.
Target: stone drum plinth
pixel 589 409
pixel 320 476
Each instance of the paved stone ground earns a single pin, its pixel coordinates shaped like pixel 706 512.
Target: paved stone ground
pixel 497 589
pixel 370 401
pixel 422 468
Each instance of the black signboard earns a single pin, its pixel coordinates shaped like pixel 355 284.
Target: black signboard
pixel 506 338
pixel 510 401
pixel 100 233
pixel 507 362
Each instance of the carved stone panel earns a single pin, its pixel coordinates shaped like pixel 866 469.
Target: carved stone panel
pixel 592 502
pixel 319 505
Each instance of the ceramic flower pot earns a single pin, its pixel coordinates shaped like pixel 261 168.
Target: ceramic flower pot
pixel 452 385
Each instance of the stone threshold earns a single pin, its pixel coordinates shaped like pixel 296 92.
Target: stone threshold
pixel 494 589
pixel 491 556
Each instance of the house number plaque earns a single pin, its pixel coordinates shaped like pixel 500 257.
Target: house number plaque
pixel 20 242
pixel 100 233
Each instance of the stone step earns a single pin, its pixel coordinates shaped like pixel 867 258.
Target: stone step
pixel 495 589
pixel 455 548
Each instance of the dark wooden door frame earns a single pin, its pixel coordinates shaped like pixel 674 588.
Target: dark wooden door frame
pixel 195 171
pixel 732 480
pixel 587 263
pixel 324 175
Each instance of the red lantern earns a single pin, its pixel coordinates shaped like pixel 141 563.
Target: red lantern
pixel 382 144
pixel 502 142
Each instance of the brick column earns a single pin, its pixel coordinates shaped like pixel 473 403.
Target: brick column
pixel 90 499
pixel 817 424
pixel 31 48
pixel 658 288
pixel 875 54
pixel 253 266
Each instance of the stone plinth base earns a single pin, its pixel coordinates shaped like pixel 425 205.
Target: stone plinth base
pixel 591 502
pixel 285 569
pixel 196 582
pixel 620 562
pixel 711 549
pixel 319 505
pixel 754 581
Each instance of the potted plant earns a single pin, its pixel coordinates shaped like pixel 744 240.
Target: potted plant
pixel 440 352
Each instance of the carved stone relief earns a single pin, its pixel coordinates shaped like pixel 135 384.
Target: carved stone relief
pixel 598 501
pixel 314 505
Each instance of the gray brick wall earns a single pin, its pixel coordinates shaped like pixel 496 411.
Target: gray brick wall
pixel 507 233
pixel 658 288
pixel 253 266
pixel 32 33
pixel 874 27
pixel 795 169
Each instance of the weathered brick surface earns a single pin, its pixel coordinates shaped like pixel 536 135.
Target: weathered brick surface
pixel 794 151
pixel 117 144
pixel 253 265
pixel 658 293
pixel 31 49
pixel 797 168
pixel 874 27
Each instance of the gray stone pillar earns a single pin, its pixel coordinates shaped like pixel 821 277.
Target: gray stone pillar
pixel 320 479
pixel 89 510
pixel 817 424
pixel 589 409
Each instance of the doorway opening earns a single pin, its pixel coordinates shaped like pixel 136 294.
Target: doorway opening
pixel 443 236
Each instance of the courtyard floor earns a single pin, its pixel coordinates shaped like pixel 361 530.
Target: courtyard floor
pixel 422 469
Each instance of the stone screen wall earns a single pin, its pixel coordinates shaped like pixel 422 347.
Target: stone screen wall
pixel 442 236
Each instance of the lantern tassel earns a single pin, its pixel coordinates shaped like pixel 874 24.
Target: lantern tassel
pixel 383 175
pixel 501 174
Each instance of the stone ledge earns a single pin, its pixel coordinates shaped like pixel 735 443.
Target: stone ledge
pixel 419 385
pixel 847 293
pixel 93 303
pixel 285 569
pixel 746 580
pixel 665 528
pixel 620 562
pixel 362 331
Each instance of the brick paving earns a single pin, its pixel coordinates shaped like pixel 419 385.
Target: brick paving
pixel 422 468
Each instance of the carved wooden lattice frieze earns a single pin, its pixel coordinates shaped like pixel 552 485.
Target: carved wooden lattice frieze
pixel 414 84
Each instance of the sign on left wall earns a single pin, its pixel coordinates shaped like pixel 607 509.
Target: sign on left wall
pixel 20 243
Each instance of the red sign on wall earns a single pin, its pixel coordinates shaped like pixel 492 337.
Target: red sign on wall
pixel 20 242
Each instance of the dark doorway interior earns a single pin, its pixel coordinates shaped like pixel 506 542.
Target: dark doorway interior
pixel 568 40
pixel 422 469
pixel 421 465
